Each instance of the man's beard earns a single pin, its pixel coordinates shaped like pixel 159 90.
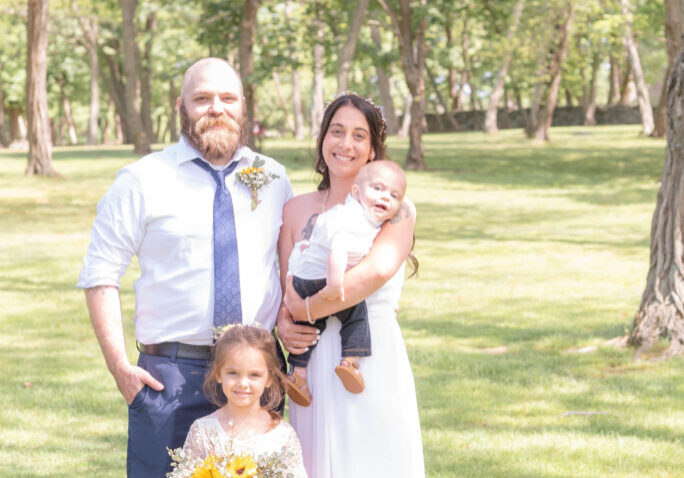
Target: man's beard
pixel 215 145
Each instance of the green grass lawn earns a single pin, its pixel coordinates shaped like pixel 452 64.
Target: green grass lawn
pixel 532 258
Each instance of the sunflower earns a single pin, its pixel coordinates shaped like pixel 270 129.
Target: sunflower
pixel 207 469
pixel 243 466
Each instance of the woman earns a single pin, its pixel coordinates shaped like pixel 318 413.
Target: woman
pixel 375 433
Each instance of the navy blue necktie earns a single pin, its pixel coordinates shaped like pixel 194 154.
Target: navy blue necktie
pixel 227 305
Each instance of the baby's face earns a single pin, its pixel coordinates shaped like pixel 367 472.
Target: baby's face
pixel 381 193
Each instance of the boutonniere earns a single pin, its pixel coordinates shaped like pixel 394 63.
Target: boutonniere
pixel 255 177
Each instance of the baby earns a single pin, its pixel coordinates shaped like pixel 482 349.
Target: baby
pixel 341 237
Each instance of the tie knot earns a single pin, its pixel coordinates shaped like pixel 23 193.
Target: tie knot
pixel 219 175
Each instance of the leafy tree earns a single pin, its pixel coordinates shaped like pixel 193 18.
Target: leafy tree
pixel 408 22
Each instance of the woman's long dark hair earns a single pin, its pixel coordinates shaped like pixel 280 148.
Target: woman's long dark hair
pixel 378 135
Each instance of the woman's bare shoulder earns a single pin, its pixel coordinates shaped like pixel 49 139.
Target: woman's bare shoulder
pixel 300 213
pixel 300 205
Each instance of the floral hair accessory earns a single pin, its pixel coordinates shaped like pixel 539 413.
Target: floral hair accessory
pixel 255 177
pixel 219 331
pixel 378 110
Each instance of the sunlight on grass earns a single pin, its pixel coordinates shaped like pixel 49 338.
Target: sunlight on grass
pixel 532 258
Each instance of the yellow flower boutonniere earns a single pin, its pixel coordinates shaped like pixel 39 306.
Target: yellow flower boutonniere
pixel 255 177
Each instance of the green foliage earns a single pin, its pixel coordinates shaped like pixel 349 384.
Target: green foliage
pixel 13 54
pixel 532 259
pixel 188 30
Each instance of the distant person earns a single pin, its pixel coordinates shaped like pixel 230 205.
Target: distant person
pixel 258 131
pixel 341 237
pixel 245 381
pixel 377 432
pixel 207 255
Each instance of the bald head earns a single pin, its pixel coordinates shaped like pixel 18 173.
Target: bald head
pixel 205 69
pixel 389 169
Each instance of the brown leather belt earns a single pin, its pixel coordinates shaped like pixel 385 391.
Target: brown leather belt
pixel 177 349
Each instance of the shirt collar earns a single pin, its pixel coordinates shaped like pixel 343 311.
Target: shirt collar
pixel 185 152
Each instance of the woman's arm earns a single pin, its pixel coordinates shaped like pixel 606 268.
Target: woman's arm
pixel 390 249
pixel 295 337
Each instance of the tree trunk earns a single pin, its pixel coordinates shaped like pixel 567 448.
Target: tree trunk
pixel 541 133
pixel 17 126
pixel 40 146
pixel 245 46
pixel 660 118
pixel 297 109
pixel 465 80
pixel 141 141
pixel 4 140
pixel 406 120
pixel 568 98
pixel 117 92
pixel 454 87
pixel 590 103
pixel 673 29
pixel 104 129
pixel 642 91
pixel 94 96
pixel 283 105
pixel 90 30
pixel 66 109
pixel 452 121
pixel 318 75
pixel 384 83
pixel 614 80
pixel 490 125
pixel 661 312
pixel 119 128
pixel 145 70
pixel 413 51
pixel 173 113
pixel 626 92
pixel 346 53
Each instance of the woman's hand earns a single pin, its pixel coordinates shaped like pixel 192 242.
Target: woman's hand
pixel 297 338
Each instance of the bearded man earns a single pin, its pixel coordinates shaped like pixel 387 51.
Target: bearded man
pixel 206 245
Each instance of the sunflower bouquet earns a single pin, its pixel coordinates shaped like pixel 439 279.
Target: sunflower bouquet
pixel 255 177
pixel 244 465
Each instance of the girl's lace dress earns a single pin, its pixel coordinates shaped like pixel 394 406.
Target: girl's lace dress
pixel 207 436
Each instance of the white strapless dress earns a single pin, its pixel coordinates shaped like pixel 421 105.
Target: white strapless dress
pixel 375 433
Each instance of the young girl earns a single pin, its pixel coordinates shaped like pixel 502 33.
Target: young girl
pixel 245 381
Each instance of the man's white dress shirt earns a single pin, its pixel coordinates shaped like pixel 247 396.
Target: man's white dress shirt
pixel 345 228
pixel 160 208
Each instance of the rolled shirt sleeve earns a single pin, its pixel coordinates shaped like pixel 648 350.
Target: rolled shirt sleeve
pixel 116 235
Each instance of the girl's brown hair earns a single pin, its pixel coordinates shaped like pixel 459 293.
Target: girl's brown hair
pixel 259 339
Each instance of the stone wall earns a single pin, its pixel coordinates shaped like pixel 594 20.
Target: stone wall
pixel 562 116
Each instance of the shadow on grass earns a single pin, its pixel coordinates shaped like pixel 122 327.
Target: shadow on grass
pixel 448 224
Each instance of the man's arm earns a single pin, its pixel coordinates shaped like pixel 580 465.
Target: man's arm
pixel 104 306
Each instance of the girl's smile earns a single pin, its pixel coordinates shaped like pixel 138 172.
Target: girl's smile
pixel 243 377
